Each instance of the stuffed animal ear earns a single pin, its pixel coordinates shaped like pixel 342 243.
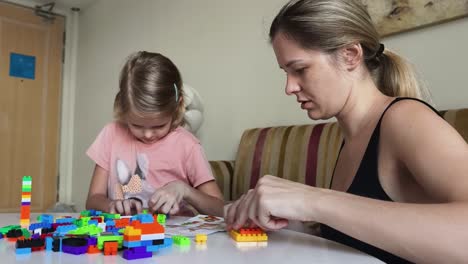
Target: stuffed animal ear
pixel 192 99
pixel 142 166
pixel 193 120
pixel 193 116
pixel 123 172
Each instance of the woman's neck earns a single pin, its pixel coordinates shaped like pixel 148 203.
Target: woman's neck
pixel 362 109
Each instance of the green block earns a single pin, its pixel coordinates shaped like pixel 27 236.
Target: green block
pixel 26 233
pixel 181 240
pixel 161 218
pixel 85 213
pixel 7 228
pixel 91 230
pixel 108 216
pixel 102 239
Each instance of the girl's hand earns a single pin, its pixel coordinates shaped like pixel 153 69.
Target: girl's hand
pixel 125 207
pixel 166 200
pixel 272 203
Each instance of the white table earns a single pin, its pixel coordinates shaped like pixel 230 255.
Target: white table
pixel 283 246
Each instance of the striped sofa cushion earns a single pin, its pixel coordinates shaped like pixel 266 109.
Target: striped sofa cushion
pixel 223 171
pixel 302 153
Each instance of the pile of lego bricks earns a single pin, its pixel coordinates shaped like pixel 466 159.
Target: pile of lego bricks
pixel 94 232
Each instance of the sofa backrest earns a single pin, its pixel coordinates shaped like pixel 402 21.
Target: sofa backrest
pixel 302 153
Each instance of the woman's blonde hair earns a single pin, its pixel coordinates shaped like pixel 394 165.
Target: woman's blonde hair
pixel 329 25
pixel 150 84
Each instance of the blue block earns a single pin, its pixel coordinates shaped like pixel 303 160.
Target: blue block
pixel 41 225
pixel 132 244
pixel 63 230
pixel 152 248
pixel 167 242
pixel 93 222
pixel 146 243
pixel 45 218
pixel 65 220
pixel 23 251
pixel 48 243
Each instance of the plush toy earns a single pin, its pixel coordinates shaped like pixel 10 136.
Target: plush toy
pixel 193 109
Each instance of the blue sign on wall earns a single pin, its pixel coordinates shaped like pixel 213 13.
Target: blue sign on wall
pixel 22 66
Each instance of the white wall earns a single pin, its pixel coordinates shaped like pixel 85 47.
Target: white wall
pixel 222 50
pixel 440 55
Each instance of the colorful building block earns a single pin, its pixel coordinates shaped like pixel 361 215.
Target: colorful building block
pixel 249 235
pixel 201 238
pixel 25 211
pixel 181 240
pixel 136 253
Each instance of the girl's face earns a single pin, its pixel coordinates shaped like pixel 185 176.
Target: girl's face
pixel 320 87
pixel 149 129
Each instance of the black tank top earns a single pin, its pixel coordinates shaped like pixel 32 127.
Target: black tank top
pixel 366 183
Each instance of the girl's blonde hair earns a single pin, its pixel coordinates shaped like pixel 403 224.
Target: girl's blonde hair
pixel 328 25
pixel 150 83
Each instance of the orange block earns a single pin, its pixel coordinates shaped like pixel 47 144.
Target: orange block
pixel 148 228
pixel 26 209
pixel 110 248
pixel 251 231
pixel 123 222
pixel 93 250
pixel 25 215
pixel 131 238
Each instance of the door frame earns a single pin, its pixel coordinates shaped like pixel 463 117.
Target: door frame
pixel 67 106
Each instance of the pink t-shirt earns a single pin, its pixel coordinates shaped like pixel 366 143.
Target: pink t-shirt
pixel 137 169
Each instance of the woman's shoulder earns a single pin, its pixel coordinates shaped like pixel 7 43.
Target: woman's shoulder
pixel 410 122
pixel 405 111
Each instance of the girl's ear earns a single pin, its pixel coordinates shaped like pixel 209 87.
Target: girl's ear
pixel 142 166
pixel 352 56
pixel 123 172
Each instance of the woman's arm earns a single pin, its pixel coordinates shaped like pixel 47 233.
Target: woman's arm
pixel 421 233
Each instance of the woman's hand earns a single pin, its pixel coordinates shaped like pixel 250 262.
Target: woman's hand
pixel 125 207
pixel 272 203
pixel 166 199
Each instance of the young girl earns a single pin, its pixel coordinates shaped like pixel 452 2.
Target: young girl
pixel 146 159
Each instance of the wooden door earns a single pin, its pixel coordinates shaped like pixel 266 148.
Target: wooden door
pixel 30 85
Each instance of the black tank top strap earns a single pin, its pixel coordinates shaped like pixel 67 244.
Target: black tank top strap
pixel 405 98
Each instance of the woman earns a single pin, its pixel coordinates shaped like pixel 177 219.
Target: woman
pixel 400 186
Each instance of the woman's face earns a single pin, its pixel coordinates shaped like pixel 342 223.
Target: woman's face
pixel 320 86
